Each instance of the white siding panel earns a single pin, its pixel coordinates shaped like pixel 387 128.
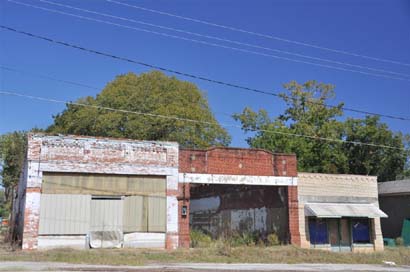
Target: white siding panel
pixel 64 214
pixel 107 214
pixel 135 214
pixel 157 214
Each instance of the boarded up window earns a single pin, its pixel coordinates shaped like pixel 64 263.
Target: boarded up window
pixel 139 207
pixel 61 183
pixel 64 214
pixel 106 214
pixel 145 214
pixel 135 214
pixel 157 214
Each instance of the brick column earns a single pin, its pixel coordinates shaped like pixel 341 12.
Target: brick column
pixel 293 208
pixel 171 239
pixel 31 219
pixel 183 220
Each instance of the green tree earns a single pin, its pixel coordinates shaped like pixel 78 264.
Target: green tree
pixel 4 212
pixel 386 163
pixel 150 93
pixel 12 153
pixel 406 171
pixel 306 114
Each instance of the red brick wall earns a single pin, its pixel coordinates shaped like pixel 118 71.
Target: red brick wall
pixel 293 215
pixel 236 161
pixel 183 221
pixel 239 161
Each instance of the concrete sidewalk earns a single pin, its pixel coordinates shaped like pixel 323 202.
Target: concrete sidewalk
pixel 50 266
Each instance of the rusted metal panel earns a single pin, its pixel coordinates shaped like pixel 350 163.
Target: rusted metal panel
pixel 224 210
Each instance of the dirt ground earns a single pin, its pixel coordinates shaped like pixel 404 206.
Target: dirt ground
pixel 200 267
pixel 216 253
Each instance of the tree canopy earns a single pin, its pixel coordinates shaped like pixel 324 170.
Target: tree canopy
pixel 150 94
pixel 307 114
pixel 12 152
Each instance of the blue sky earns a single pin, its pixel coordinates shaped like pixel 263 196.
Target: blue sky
pixel 373 28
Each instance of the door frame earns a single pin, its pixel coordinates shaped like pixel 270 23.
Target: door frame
pixel 339 247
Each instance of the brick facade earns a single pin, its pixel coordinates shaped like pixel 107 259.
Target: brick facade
pixel 242 161
pixel 293 206
pixel 90 155
pixel 333 188
pixel 237 161
pixel 183 223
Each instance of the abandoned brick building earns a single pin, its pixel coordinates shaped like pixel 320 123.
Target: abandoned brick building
pixel 99 192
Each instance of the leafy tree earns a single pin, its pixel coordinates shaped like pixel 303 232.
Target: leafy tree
pixel 4 212
pixel 12 152
pixel 306 114
pixel 151 93
pixel 406 171
pixel 386 163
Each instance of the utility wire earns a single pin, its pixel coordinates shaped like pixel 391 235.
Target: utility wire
pixel 67 81
pixel 176 118
pixel 189 75
pixel 223 39
pixel 209 43
pixel 343 52
pixel 6 68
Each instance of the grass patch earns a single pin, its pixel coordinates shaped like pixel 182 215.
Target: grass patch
pixel 218 252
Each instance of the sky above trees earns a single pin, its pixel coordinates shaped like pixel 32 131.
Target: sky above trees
pixel 374 28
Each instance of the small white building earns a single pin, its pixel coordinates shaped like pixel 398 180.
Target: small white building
pixel 78 191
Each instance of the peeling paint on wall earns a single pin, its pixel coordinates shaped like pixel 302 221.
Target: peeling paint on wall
pixel 78 154
pixel 227 210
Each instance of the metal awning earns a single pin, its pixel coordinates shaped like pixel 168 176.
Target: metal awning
pixel 337 210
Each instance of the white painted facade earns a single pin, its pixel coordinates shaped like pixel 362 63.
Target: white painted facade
pixel 77 154
pixel 238 179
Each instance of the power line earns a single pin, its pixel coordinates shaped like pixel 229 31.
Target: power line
pixel 3 92
pixel 66 81
pixel 49 77
pixel 210 43
pixel 189 75
pixel 343 52
pixel 223 39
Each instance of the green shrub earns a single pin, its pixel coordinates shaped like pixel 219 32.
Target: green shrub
pixel 243 239
pixel 200 239
pixel 273 240
pixel 399 241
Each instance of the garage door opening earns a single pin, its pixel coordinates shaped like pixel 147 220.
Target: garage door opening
pixel 226 211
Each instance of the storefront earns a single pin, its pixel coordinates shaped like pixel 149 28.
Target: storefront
pixel 341 227
pixel 339 212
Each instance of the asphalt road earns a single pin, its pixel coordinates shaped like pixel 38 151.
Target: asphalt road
pixel 200 267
